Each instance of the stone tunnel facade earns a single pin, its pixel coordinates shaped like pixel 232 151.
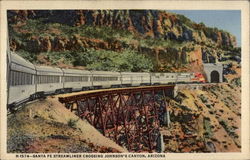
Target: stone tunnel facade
pixel 214 72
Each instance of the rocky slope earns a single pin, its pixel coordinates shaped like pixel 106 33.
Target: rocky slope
pixel 206 120
pixel 172 42
pixel 46 126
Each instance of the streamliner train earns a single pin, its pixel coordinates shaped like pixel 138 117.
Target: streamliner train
pixel 27 81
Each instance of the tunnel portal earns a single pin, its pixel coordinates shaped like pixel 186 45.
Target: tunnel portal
pixel 215 77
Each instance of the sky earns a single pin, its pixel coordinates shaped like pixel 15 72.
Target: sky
pixel 229 20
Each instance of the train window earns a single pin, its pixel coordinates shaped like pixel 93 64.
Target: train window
pixel 47 79
pixel 85 78
pixel 20 78
pixel 99 78
pixel 76 78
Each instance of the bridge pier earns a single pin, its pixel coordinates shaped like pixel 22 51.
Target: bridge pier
pixel 167 118
pixel 160 144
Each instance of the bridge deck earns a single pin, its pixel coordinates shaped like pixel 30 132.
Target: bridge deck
pixel 69 97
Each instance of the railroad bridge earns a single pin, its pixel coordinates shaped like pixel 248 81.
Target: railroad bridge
pixel 130 116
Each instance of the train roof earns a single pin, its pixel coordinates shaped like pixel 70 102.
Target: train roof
pixel 163 73
pixel 20 61
pixel 47 70
pixel 186 73
pixel 213 64
pixel 76 71
pixel 105 72
pixel 135 73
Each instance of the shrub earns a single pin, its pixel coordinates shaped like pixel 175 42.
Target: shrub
pixel 28 56
pixel 127 60
pixel 101 32
pixel 208 105
pixel 72 123
pixel 211 112
pixel 207 126
pixel 229 130
pixel 185 20
pixel 54 57
pixel 203 98
pixel 237 82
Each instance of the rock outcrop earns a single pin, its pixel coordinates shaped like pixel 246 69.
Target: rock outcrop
pixel 159 24
pixel 171 41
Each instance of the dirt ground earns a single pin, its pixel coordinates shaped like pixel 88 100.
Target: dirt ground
pixel 46 126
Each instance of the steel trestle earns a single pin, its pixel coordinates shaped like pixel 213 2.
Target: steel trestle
pixel 131 117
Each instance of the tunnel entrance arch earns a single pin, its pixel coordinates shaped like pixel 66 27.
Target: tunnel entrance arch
pixel 215 77
pixel 214 72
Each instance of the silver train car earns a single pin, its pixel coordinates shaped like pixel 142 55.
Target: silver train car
pixel 21 79
pixel 76 80
pixel 104 79
pixel 28 82
pixel 163 78
pixel 135 79
pixel 48 80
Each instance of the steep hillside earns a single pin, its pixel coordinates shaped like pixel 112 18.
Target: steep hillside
pixel 206 120
pixel 46 126
pixel 107 39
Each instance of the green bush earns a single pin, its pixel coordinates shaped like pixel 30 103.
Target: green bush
pixel 102 32
pixel 208 105
pixel 40 26
pixel 203 98
pixel 27 55
pixel 72 123
pixel 207 127
pixel 237 82
pixel 228 129
pixel 127 60
pixel 185 20
pixel 34 26
pixel 54 57
pixel 103 60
